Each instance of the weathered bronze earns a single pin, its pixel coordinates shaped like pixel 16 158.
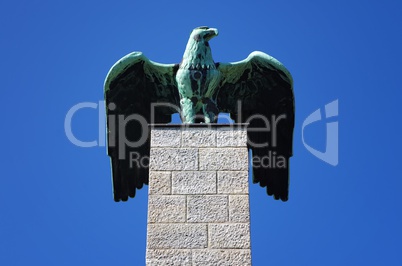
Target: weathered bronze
pixel 257 90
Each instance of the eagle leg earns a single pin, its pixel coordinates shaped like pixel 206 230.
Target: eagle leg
pixel 210 110
pixel 187 110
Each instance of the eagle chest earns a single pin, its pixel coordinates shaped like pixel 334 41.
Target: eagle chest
pixel 199 83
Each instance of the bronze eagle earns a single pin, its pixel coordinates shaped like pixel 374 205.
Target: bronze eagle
pixel 257 90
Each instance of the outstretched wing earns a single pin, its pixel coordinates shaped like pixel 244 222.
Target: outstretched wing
pixel 259 91
pixel 132 85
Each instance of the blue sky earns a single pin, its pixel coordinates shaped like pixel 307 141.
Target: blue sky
pixel 56 205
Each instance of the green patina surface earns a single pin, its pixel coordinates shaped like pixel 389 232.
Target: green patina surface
pixel 257 90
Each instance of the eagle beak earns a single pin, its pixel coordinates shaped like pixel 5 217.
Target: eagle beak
pixel 211 33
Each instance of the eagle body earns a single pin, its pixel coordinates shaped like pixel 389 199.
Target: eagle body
pixel 257 91
pixel 197 79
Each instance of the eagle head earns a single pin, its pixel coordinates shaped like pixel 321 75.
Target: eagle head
pixel 203 33
pixel 197 50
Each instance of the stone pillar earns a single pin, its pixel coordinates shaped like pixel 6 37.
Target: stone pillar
pixel 198 209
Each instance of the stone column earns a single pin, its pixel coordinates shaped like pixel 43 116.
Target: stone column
pixel 198 209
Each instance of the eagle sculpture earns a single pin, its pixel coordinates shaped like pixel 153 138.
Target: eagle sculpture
pixel 257 90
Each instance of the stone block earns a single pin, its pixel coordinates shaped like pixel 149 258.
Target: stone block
pixel 165 137
pixel 166 208
pixel 240 257
pixel 199 137
pixel 189 182
pixel 172 257
pixel 232 182
pixel 166 159
pixel 231 137
pixel 211 257
pixel 160 183
pixel 207 208
pixel 221 159
pixel 221 257
pixel 229 235
pixel 239 210
pixel 177 236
